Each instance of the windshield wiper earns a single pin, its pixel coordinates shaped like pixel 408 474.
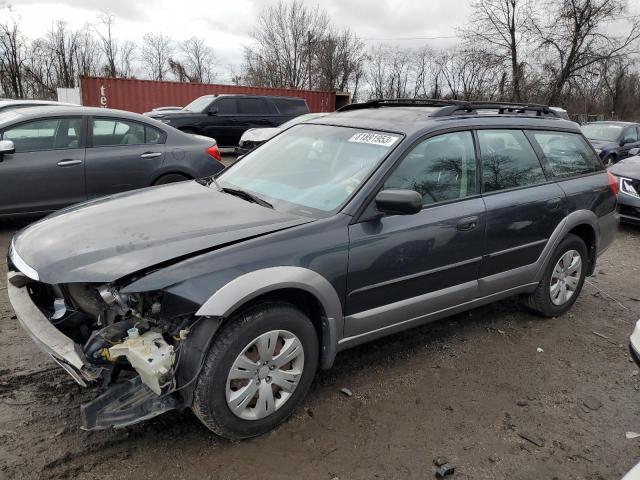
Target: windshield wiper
pixel 247 196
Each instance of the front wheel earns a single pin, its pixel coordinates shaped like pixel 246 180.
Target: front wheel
pixel 563 279
pixel 257 371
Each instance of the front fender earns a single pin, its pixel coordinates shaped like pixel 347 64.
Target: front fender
pixel 253 284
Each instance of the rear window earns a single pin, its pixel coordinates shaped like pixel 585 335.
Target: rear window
pixel 291 106
pixel 567 154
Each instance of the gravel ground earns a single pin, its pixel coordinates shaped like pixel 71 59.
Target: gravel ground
pixel 472 388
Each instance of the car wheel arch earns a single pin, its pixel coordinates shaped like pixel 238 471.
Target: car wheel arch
pixel 299 286
pixel 158 176
pixel 576 221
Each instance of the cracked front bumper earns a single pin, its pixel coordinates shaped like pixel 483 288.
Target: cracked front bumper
pixel 61 348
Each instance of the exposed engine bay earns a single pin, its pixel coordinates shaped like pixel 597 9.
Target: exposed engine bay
pixel 134 341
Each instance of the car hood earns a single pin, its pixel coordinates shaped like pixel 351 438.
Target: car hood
pixel 259 134
pixel 628 167
pixel 106 239
pixel 602 144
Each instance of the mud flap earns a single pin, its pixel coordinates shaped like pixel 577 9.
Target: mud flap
pixel 123 404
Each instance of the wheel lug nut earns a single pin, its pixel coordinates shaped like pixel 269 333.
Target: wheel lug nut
pixel 272 367
pixel 268 379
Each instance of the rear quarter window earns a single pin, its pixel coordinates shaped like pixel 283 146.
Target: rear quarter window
pixel 291 106
pixel 566 154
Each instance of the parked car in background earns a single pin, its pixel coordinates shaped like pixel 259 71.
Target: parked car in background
pixel 54 157
pixel 227 117
pixel 338 231
pixel 162 109
pixel 628 173
pixel 257 136
pixel 7 104
pixel 612 140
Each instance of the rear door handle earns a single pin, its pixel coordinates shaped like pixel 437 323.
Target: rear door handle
pixel 150 154
pixel 554 203
pixel 69 163
pixel 467 223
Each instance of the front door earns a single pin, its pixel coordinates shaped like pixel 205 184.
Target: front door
pixel 46 172
pixel 629 141
pixel 403 267
pixel 122 155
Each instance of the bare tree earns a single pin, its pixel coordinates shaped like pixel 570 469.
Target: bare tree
pixel 156 51
pixel 88 53
pixel 198 60
pixel 498 28
pixel 572 39
pixel 388 71
pixel 12 56
pixel 468 75
pixel 337 59
pixel 118 56
pixel 284 40
pixel 63 46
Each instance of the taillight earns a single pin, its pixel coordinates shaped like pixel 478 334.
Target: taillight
pixel 613 182
pixel 214 152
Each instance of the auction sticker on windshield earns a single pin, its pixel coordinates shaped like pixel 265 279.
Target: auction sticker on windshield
pixel 374 139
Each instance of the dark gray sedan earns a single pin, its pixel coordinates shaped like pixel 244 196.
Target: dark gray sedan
pixel 51 158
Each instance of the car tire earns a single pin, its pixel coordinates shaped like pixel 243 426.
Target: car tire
pixel 219 391
pixel 610 160
pixel 171 178
pixel 560 276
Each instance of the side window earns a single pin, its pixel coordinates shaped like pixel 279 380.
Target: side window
pixel 252 106
pixel 225 106
pixel 51 134
pixel 440 168
pixel 152 135
pixel 508 160
pixel 287 106
pixel 107 132
pixel 567 154
pixel 630 135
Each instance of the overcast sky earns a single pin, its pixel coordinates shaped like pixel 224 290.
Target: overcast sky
pixel 226 24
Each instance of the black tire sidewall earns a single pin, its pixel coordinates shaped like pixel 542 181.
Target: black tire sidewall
pixel 221 357
pixel 571 242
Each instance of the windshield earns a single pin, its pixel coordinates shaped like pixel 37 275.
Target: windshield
pixel 199 104
pixel 601 131
pixel 310 169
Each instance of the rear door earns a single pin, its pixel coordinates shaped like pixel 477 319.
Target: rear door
pixel 407 266
pixel 523 209
pixel 122 155
pixel 46 172
pixel 254 113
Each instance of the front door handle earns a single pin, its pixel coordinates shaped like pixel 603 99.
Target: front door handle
pixel 467 223
pixel 69 163
pixel 150 155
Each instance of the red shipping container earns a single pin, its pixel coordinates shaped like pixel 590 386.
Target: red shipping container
pixel 143 95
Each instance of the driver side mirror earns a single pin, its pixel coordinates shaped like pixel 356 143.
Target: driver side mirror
pixel 212 111
pixel 6 147
pixel 398 202
pixel 624 141
pixel 634 151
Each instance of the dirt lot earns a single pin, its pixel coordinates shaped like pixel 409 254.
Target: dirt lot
pixel 469 388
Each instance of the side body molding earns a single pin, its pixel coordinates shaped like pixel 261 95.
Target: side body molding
pixel 253 284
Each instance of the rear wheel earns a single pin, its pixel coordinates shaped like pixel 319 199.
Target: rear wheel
pixel 257 371
pixel 171 178
pixel 562 280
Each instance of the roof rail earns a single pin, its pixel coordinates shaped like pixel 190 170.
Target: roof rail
pixel 455 107
pixel 400 102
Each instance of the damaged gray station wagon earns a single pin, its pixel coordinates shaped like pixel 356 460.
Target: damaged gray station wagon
pixel 225 294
